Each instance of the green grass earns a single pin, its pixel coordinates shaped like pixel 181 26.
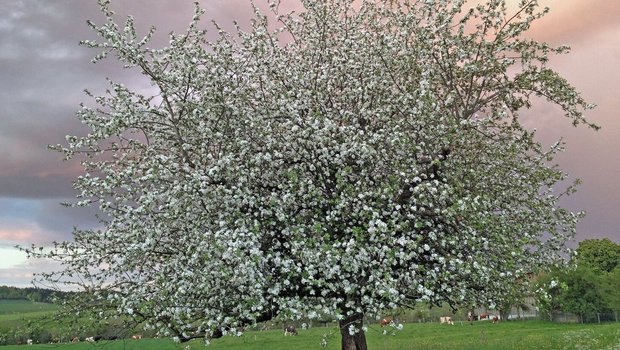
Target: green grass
pixel 24 306
pixel 15 313
pixel 426 336
pixel 433 336
pixel 144 344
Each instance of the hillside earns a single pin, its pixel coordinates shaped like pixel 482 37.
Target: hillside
pixel 31 294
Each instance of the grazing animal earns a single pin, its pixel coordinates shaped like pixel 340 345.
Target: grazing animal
pixel 484 316
pixel 290 330
pixel 446 320
pixel 385 321
pixel 495 319
pixel 29 341
pixel 137 337
pixel 90 339
pixel 75 340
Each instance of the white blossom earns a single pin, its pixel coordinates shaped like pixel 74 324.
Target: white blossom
pixel 357 158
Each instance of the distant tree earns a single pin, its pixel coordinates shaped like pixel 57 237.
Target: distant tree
pixel 579 290
pixel 582 295
pixel 359 158
pixel 610 285
pixel 12 293
pixel 602 255
pixel 34 297
pixel 32 294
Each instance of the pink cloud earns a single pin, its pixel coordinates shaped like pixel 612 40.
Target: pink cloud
pixel 41 229
pixel 571 20
pixel 19 234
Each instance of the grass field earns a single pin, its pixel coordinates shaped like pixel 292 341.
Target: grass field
pixel 14 313
pixel 480 336
pixel 427 336
pixel 23 306
pixel 144 344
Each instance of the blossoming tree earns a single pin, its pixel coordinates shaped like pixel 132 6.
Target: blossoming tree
pixel 336 162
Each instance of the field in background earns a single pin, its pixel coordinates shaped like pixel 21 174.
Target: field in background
pixel 483 335
pixel 16 313
pixel 24 306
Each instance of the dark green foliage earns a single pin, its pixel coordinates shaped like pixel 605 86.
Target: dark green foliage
pixel 589 288
pixel 602 258
pixel 601 255
pixel 32 294
pixel 583 294
pixel 610 286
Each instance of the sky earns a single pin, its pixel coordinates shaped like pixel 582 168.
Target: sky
pixel 43 72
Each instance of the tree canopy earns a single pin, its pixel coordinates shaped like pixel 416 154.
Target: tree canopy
pixel 610 290
pixel 602 255
pixel 335 162
pixel 585 286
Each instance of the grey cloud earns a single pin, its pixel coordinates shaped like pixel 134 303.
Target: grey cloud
pixel 39 29
pixel 25 186
pixel 26 221
pixel 22 274
pixel 44 72
pixel 27 167
pixel 55 217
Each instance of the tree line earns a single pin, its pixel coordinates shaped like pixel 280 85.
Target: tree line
pixel 30 293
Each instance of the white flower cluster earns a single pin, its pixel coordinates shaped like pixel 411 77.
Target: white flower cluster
pixel 371 160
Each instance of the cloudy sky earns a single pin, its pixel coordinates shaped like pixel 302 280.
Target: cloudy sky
pixel 43 72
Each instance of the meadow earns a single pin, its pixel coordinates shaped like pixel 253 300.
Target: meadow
pixel 483 335
pixel 16 313
pixel 480 336
pixel 24 306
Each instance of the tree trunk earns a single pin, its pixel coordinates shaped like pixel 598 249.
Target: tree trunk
pixel 504 313
pixel 357 341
